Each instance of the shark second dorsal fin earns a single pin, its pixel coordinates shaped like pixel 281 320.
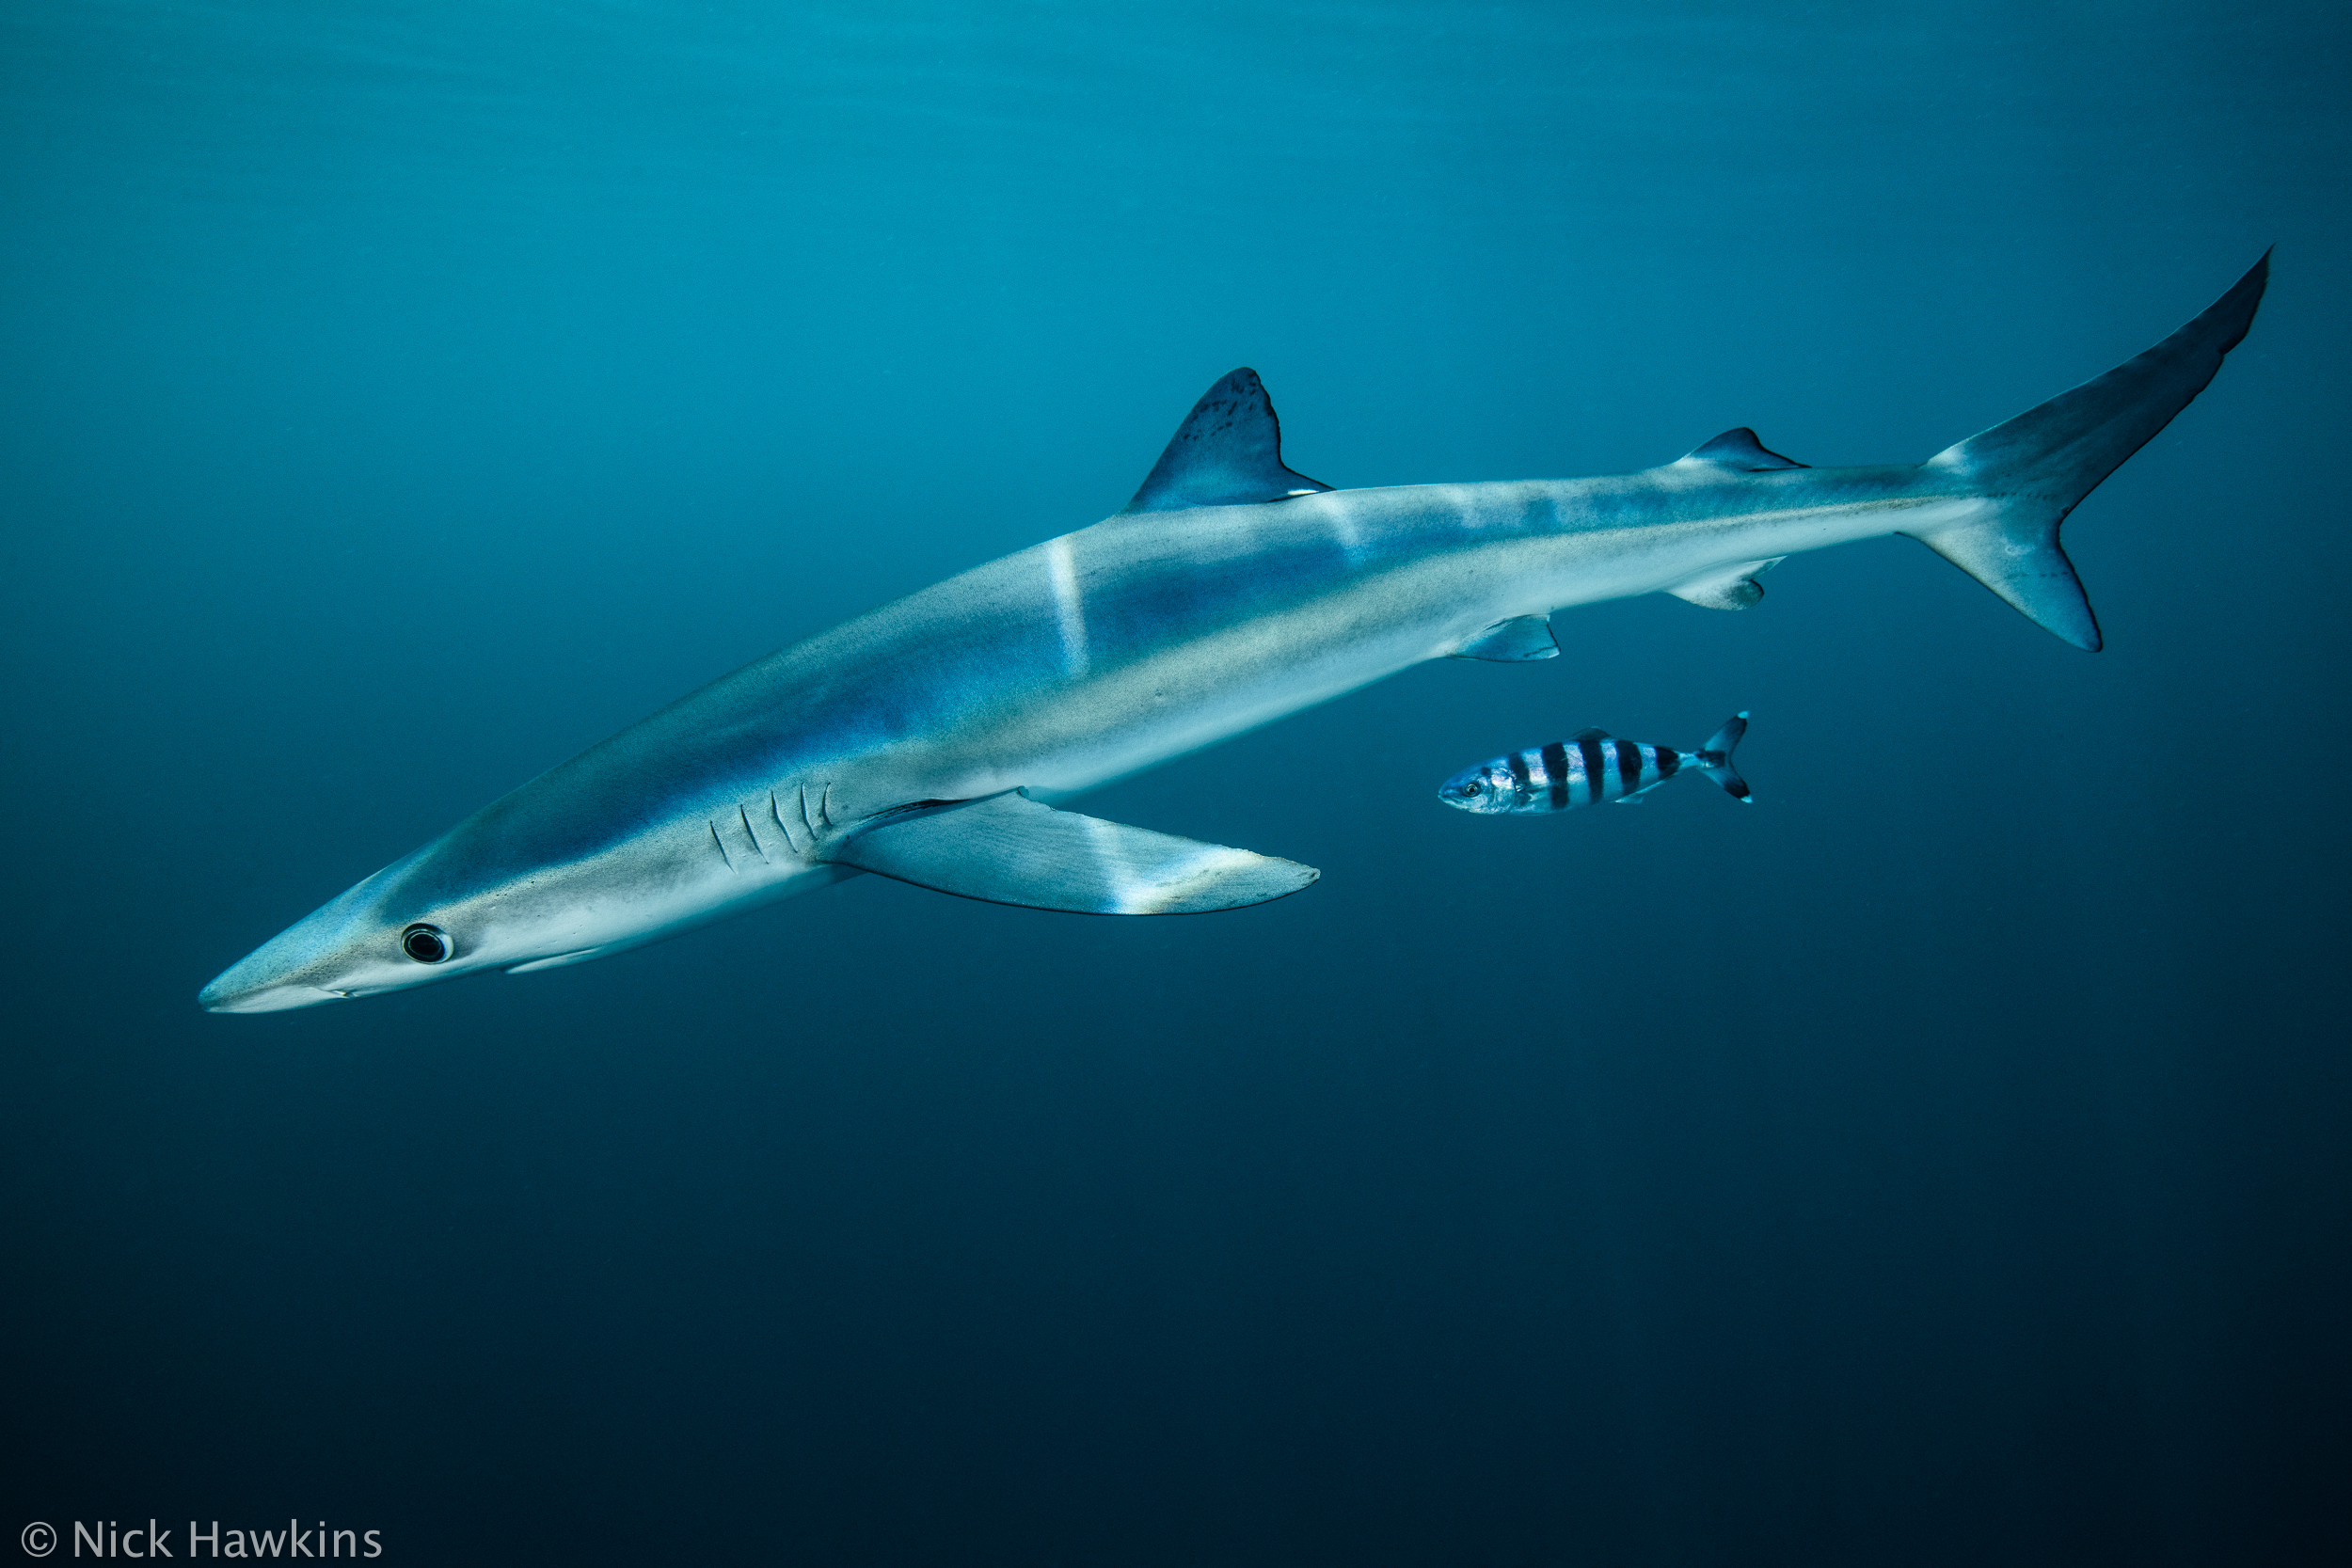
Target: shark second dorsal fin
pixel 1227 452
pixel 1740 451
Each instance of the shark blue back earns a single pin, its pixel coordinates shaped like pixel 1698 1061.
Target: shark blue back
pixel 931 739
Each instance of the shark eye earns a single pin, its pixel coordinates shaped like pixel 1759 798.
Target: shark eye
pixel 427 945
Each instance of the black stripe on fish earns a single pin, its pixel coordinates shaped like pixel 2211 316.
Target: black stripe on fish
pixel 1518 762
pixel 1668 760
pixel 1589 750
pixel 1629 767
pixel 1556 769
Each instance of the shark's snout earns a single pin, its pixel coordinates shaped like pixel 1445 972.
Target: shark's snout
pixel 225 996
pixel 329 955
pixel 266 980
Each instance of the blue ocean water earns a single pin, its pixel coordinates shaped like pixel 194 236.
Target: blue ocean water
pixel 1942 1161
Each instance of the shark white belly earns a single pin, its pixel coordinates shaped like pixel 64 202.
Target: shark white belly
pixel 921 740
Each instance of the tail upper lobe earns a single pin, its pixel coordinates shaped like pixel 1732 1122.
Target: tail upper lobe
pixel 2037 466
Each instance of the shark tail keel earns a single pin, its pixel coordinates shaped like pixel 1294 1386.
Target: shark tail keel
pixel 1715 758
pixel 2036 468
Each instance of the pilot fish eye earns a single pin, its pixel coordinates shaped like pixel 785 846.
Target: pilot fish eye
pixel 427 945
pixel 1473 787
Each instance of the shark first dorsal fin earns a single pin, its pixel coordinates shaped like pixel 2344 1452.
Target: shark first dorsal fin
pixel 1227 452
pixel 1008 849
pixel 1741 452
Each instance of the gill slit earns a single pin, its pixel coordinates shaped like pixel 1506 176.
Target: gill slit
pixel 719 845
pixel 781 826
pixel 746 819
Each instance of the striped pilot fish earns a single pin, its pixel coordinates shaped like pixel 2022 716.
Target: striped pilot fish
pixel 1589 766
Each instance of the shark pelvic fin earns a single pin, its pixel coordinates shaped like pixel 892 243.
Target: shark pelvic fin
pixel 1008 849
pixel 1227 452
pixel 1521 639
pixel 1741 452
pixel 1726 587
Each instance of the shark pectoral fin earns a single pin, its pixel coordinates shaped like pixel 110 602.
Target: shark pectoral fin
pixel 1227 452
pixel 579 955
pixel 1517 641
pixel 1726 587
pixel 1007 849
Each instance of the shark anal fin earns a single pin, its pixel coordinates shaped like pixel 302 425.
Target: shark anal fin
pixel 1007 849
pixel 1741 452
pixel 1726 587
pixel 1517 641
pixel 1227 452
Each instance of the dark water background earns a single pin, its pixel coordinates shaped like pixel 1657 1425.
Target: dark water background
pixel 1943 1161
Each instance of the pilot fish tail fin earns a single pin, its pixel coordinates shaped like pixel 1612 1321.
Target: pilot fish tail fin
pixel 1715 758
pixel 2034 469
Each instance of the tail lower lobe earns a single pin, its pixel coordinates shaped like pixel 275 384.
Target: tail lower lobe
pixel 2037 466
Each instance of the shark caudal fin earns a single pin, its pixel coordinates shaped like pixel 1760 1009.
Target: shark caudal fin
pixel 2036 468
pixel 1714 757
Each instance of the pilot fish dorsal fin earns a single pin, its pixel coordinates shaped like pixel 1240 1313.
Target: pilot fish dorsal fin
pixel 1740 451
pixel 1595 733
pixel 1227 452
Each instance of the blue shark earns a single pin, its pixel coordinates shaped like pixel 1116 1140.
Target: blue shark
pixel 930 741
